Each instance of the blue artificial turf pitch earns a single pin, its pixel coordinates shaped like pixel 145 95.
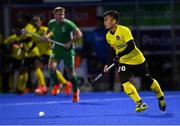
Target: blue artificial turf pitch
pixel 95 108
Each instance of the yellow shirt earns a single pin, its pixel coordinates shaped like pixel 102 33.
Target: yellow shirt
pixel 44 47
pixel 119 40
pixel 16 51
pixel 27 45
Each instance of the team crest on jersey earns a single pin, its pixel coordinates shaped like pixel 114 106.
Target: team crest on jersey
pixel 53 29
pixel 63 29
pixel 117 37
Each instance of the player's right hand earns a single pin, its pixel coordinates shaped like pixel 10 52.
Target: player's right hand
pixel 44 39
pixel 105 69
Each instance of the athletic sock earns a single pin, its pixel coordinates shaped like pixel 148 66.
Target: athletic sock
pixel 60 77
pixel 130 90
pixel 53 77
pixel 155 87
pixel 57 77
pixel 75 83
pixel 40 77
pixel 22 80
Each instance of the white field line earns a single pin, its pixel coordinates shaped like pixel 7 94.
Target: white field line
pixel 82 100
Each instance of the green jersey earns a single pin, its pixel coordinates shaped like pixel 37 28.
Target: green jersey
pixel 62 33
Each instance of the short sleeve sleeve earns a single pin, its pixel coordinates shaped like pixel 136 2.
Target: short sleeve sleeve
pixel 127 35
pixel 72 25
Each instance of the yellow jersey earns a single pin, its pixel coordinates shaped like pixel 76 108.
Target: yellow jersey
pixel 45 48
pixel 16 51
pixel 30 47
pixel 119 40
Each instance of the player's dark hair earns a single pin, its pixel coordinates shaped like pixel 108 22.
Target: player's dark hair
pixel 25 17
pixel 112 13
pixel 58 9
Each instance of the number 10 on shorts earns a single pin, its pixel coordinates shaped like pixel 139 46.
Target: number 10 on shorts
pixel 121 68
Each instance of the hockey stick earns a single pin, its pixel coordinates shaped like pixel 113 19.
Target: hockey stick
pixel 40 37
pixel 20 50
pixel 92 80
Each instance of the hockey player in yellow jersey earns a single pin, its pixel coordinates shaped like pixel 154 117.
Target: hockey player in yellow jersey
pixel 32 56
pixel 44 50
pixel 130 61
pixel 16 57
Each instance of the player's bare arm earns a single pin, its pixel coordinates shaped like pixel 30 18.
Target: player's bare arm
pixel 77 34
pixel 47 35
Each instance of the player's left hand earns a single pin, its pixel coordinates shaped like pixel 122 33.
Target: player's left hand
pixel 44 39
pixel 67 45
pixel 116 59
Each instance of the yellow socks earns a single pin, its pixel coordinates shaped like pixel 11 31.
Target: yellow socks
pixel 21 84
pixel 40 77
pixel 156 89
pixel 60 77
pixel 130 90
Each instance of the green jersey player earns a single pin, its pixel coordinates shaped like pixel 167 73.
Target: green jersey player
pixel 66 32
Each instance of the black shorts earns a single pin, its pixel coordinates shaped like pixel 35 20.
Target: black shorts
pixel 45 59
pixel 141 70
pixel 15 64
pixel 31 62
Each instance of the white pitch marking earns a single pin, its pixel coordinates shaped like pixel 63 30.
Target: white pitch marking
pixel 90 100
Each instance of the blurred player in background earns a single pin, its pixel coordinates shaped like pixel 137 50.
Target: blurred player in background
pixel 130 60
pixel 16 56
pixel 32 56
pixel 45 49
pixel 66 32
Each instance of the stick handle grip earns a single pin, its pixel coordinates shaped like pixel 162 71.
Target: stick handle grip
pixel 100 75
pixel 112 65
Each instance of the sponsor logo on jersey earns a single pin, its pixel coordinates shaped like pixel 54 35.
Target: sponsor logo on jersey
pixel 118 37
pixel 63 29
pixel 121 46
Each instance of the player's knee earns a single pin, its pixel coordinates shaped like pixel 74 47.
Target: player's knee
pixel 52 65
pixel 123 80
